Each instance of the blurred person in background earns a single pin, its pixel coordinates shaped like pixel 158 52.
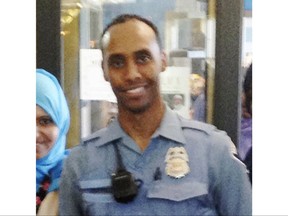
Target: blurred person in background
pixel 179 107
pixel 245 144
pixel 109 111
pixel 198 101
pixel 52 124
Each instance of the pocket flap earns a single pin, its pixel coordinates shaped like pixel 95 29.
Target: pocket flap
pixel 94 184
pixel 177 192
pixel 97 190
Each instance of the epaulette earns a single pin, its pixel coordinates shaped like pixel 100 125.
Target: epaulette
pixel 207 129
pixel 197 125
pixel 94 136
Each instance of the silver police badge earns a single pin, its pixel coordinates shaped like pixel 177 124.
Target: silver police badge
pixel 177 162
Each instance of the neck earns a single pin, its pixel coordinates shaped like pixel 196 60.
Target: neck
pixel 141 126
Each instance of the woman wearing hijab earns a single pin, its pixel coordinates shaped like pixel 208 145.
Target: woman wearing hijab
pixel 52 124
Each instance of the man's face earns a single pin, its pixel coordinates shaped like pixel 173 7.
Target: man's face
pixel 132 61
pixel 197 84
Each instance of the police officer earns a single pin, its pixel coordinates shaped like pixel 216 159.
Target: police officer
pixel 150 161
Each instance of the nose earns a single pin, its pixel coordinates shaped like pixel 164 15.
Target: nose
pixel 38 134
pixel 132 71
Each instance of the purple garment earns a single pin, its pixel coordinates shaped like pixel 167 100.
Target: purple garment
pixel 246 137
pixel 199 106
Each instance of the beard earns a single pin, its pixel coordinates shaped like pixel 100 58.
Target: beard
pixel 136 108
pixel 141 104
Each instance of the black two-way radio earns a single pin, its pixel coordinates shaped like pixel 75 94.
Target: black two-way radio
pixel 124 187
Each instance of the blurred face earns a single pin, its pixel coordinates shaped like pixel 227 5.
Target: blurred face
pixel 197 85
pixel 109 112
pixel 177 101
pixel 132 61
pixel 46 133
pixel 245 112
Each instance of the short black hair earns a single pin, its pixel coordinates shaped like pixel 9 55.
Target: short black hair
pixel 247 88
pixel 127 17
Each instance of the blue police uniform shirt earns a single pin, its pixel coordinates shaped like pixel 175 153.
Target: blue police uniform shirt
pixel 217 183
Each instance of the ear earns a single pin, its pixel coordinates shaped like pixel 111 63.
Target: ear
pixel 106 77
pixel 163 61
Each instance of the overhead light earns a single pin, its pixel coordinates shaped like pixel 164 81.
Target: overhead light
pixel 79 5
pixel 63 33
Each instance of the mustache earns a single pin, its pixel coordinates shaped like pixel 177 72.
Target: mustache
pixel 132 86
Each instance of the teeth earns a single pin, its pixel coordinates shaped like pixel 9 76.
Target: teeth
pixel 136 90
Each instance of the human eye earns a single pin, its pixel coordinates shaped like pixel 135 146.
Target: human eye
pixel 46 121
pixel 143 57
pixel 116 62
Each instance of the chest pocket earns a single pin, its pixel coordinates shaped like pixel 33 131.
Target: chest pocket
pixel 181 197
pixel 177 191
pixel 98 190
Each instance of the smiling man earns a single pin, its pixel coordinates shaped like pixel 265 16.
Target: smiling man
pixel 150 160
pixel 132 61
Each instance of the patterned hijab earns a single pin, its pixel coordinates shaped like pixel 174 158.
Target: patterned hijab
pixel 50 97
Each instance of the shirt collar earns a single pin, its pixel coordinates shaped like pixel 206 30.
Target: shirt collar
pixel 111 133
pixel 170 128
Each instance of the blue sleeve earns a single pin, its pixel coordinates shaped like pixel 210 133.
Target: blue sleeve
pixel 69 193
pixel 55 174
pixel 232 189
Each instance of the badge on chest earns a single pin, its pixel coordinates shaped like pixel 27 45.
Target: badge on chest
pixel 177 162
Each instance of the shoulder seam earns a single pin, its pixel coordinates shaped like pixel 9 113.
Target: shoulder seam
pixel 200 126
pixel 93 136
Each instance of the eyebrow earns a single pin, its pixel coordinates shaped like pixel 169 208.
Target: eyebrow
pixel 43 116
pixel 136 53
pixel 143 51
pixel 116 55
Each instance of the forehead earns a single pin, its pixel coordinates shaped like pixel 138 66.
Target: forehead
pixel 40 110
pixel 130 35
